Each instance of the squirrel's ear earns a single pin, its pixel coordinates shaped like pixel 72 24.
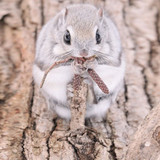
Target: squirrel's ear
pixel 65 13
pixel 62 17
pixel 100 13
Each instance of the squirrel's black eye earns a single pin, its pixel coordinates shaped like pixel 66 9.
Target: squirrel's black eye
pixel 67 38
pixel 98 37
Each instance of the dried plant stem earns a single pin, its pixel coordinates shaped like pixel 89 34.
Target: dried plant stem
pixel 91 72
pixel 50 68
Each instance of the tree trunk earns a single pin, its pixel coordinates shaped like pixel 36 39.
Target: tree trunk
pixel 28 130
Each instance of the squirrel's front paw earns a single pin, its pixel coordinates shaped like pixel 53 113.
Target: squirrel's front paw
pixel 78 68
pixel 90 64
pixel 81 69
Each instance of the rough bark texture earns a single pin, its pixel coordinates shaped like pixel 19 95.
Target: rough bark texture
pixel 29 131
pixel 77 103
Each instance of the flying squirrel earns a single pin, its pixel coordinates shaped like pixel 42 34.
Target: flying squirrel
pixel 80 30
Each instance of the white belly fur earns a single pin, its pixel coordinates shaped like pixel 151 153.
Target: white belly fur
pixel 55 82
pixel 58 78
pixel 111 76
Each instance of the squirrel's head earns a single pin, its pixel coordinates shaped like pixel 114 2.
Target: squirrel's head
pixel 82 31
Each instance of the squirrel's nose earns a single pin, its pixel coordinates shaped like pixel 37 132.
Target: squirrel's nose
pixel 84 53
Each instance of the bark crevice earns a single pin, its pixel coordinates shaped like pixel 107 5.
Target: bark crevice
pixel 50 134
pixel 23 148
pixel 146 89
pixel 112 146
pixel 42 13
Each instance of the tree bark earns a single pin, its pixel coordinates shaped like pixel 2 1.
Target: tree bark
pixel 28 130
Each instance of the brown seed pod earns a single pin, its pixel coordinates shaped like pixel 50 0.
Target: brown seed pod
pixel 98 81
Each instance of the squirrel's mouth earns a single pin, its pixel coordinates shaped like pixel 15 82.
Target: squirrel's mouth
pixel 79 60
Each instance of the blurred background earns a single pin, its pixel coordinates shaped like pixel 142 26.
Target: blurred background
pixel 138 22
